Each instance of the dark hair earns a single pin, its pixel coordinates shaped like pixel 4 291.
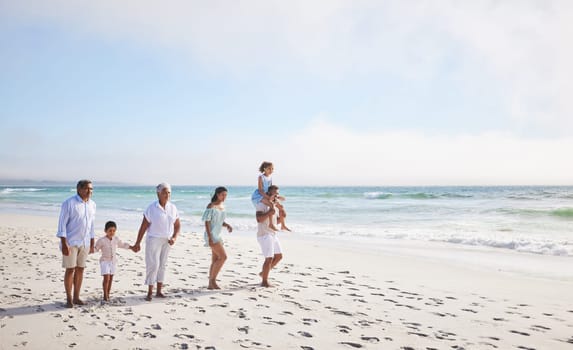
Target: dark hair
pixel 83 183
pixel 110 224
pixel 272 187
pixel 264 165
pixel 217 191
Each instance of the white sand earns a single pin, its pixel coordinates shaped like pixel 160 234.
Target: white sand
pixel 326 296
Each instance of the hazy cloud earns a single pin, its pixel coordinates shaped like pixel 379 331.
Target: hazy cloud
pixel 523 48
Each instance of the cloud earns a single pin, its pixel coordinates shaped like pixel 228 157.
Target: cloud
pixel 326 153
pixel 322 153
pixel 519 50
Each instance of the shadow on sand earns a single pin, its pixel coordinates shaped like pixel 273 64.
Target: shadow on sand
pixel 132 300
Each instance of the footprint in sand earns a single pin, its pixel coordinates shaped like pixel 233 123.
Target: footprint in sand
pixel 184 336
pixel 309 321
pixel 520 333
pixel 539 328
pixel 370 339
pixel 354 345
pixel 106 337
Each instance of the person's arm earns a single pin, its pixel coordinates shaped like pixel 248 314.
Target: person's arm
pixel 229 228
pixel 62 233
pixel 123 244
pixel 176 228
pixel 263 216
pixel 142 229
pixel 92 230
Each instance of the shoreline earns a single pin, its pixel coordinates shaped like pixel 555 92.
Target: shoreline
pixel 326 295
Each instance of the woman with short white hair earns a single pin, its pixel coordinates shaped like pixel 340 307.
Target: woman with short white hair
pixel 161 222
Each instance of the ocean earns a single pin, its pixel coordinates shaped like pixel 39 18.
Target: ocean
pixel 528 220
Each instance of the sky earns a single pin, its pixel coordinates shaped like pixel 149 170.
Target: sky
pixel 373 93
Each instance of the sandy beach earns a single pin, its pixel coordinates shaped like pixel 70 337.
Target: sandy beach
pixel 326 295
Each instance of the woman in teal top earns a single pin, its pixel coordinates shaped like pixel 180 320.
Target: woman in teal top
pixel 214 218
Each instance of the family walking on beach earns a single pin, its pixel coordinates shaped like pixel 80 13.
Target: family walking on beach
pixel 161 223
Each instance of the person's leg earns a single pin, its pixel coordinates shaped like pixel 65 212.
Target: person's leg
pixel 282 219
pixel 265 273
pixel 70 262
pixel 149 292
pixel 111 273
pixel 68 285
pixel 109 286
pixel 266 244
pixel 276 259
pixel 219 256
pixel 82 257
pixel 277 251
pixel 163 255
pixel 105 285
pixel 152 253
pixel 78 279
pixel 213 260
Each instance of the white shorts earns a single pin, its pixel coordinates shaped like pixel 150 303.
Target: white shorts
pixel 107 267
pixel 270 245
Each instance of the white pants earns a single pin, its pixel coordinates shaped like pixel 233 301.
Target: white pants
pixel 156 252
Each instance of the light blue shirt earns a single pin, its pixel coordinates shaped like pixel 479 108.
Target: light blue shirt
pixel 216 217
pixel 76 222
pixel 256 197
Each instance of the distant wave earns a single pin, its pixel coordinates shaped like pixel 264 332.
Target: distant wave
pixel 566 213
pixel 420 195
pixel 506 241
pixel 523 198
pixel 377 195
pixel 416 195
pixel 138 210
pixel 456 195
pixel 522 245
pixel 18 190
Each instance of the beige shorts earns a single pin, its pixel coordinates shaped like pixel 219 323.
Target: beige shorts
pixel 76 258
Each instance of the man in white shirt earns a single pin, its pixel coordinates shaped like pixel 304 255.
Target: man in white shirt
pixel 161 222
pixel 267 237
pixel 76 233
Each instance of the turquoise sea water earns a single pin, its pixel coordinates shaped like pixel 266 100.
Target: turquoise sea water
pixel 523 219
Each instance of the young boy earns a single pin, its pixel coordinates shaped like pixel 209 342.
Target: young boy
pixel 108 246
